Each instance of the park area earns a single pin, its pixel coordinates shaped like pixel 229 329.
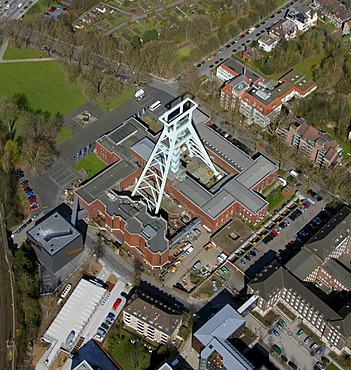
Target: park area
pixel 45 85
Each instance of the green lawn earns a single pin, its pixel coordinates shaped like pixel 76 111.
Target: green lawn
pixel 184 51
pixel 125 95
pixel 276 199
pixel 91 164
pixel 306 65
pixel 14 53
pixel 346 146
pixel 120 349
pixel 63 135
pixel 332 367
pixel 44 84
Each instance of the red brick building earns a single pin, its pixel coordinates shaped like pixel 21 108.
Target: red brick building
pixel 106 198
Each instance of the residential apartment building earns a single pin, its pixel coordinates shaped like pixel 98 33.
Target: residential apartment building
pixel 326 256
pixel 151 321
pixel 318 146
pixel 212 342
pixel 268 42
pixel 285 28
pixel 336 11
pixel 254 97
pixel 303 16
pixel 277 284
pixel 324 260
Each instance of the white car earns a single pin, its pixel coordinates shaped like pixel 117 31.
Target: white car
pixel 189 250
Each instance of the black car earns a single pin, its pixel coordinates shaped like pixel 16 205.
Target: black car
pixel 247 257
pixel 211 66
pixel 124 294
pixel 104 326
pixel 199 65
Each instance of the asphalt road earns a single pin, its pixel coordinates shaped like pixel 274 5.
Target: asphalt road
pixel 212 62
pixel 107 122
pixel 6 305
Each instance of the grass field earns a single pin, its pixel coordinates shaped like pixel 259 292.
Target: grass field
pixel 125 95
pixel 276 199
pixel 120 348
pixel 63 135
pixel 185 51
pixel 44 84
pixel 306 65
pixel 14 53
pixel 91 164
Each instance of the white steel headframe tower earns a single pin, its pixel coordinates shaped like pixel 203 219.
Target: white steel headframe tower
pixel 178 130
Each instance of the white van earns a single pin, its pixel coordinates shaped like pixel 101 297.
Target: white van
pixel 154 106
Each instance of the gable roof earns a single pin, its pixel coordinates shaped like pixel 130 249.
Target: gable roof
pixel 303 263
pixel 278 278
pixel 331 235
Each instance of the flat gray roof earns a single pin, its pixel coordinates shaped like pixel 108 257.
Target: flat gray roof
pixel 224 148
pixel 73 316
pixel 105 181
pixel 260 168
pixel 138 220
pixel 53 233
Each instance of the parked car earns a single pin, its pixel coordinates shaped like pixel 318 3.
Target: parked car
pixel 104 326
pixel 313 346
pixel 112 315
pixel 282 323
pixel 307 340
pixel 299 333
pixel 196 265
pixel 256 250
pixel 117 303
pixel 242 262
pixel 33 207
pixel 274 332
pixel 320 350
pixel 279 326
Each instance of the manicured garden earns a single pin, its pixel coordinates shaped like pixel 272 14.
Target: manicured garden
pixel 90 164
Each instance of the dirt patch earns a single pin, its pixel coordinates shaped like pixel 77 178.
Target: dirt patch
pixel 60 361
pixel 50 308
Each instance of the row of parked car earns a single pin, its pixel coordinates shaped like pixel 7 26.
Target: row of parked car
pixel 24 183
pixel 105 326
pixel 249 255
pixel 276 231
pixel 230 138
pixel 298 212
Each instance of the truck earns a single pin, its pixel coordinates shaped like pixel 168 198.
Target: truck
pixel 251 29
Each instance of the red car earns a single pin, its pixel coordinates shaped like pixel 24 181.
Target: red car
pixel 25 186
pixel 33 208
pixel 33 200
pixel 242 35
pixel 274 233
pixel 117 303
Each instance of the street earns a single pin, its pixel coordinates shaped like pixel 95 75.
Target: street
pixel 239 43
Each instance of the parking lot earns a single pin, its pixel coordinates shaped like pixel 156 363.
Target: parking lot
pixel 268 252
pixel 62 176
pixel 207 257
pixel 292 347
